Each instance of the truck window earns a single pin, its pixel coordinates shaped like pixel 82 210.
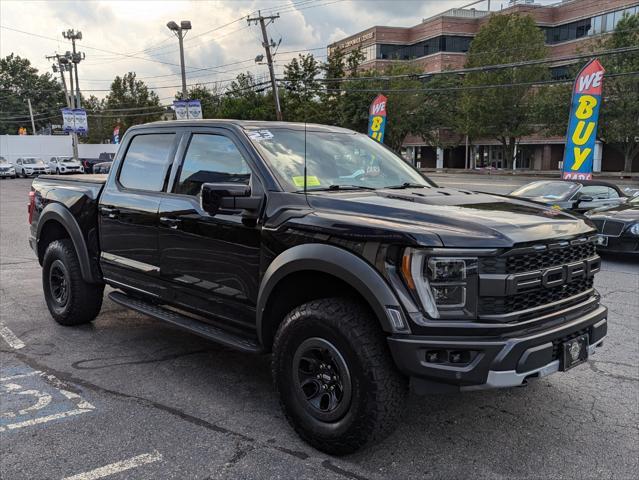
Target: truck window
pixel 146 160
pixel 211 159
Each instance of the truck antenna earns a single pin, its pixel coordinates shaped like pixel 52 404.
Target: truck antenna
pixel 304 156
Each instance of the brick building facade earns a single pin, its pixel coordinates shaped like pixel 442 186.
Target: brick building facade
pixel 440 43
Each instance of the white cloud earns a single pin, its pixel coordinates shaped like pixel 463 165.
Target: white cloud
pixel 138 28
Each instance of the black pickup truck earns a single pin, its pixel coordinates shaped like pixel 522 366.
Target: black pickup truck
pixel 324 248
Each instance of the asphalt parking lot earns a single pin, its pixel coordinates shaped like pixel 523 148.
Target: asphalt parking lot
pixel 135 398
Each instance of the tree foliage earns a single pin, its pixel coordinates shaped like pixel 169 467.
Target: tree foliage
pixel 19 81
pixel 504 113
pixel 129 102
pixel 619 113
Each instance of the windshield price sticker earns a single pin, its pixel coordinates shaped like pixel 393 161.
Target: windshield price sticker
pixel 582 127
pixel 311 181
pixel 259 135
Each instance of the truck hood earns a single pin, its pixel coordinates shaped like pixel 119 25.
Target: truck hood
pixel 456 218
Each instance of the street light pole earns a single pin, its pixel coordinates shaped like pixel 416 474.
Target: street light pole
pixel 180 31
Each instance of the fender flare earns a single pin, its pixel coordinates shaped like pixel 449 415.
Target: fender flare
pixel 337 262
pixel 59 213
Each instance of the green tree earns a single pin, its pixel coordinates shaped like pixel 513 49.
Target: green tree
pixel 130 102
pixel 99 130
pixel 246 100
pixel 504 113
pixel 619 113
pixel 209 97
pixel 300 97
pixel 20 81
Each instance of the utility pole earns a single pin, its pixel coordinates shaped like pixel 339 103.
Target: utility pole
pixel 180 32
pixel 31 115
pixel 76 57
pixel 63 64
pixel 269 58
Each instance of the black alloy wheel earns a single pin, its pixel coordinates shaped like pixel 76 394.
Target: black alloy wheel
pixel 59 283
pixel 323 379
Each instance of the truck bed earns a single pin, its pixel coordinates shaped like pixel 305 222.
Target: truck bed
pixel 99 178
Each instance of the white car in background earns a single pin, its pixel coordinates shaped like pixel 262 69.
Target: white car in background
pixel 60 165
pixel 30 166
pixel 6 169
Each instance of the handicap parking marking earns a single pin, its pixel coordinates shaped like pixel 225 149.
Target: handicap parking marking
pixel 118 467
pixel 31 397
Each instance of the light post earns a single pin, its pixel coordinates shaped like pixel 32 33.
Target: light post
pixel 180 31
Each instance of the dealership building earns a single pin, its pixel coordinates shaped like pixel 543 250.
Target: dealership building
pixel 440 43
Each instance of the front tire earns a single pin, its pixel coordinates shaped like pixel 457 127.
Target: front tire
pixel 337 383
pixel 70 299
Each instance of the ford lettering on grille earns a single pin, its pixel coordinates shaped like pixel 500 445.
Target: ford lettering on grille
pixel 552 277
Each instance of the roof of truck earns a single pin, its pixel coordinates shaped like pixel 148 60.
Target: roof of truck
pixel 247 124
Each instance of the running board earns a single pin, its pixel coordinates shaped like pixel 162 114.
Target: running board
pixel 189 324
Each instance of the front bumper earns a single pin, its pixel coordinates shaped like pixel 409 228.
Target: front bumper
pixel 7 174
pixel 494 362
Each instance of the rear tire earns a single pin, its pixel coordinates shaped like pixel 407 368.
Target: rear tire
pixel 70 299
pixel 337 383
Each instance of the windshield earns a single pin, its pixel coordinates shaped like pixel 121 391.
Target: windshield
pixel 547 190
pixel 333 159
pixel 67 160
pixel 30 161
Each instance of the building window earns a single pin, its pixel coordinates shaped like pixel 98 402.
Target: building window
pixel 591 26
pixel 444 43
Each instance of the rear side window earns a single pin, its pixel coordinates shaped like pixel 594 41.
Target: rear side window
pixel 211 159
pixel 146 161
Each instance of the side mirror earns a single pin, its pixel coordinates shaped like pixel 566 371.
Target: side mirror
pixel 227 196
pixel 584 199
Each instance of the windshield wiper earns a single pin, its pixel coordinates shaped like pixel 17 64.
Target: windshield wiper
pixel 408 185
pixel 335 188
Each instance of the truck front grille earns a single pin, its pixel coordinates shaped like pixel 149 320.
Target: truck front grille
pixel 527 262
pixel 533 258
pixel 534 298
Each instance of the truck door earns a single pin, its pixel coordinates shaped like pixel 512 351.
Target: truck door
pixel 128 211
pixel 211 262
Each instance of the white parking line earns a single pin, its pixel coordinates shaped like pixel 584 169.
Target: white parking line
pixel 10 337
pixel 117 467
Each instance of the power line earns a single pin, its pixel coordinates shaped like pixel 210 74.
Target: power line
pixel 526 63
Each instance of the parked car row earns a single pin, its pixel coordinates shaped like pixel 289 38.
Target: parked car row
pixel 58 165
pixel 613 211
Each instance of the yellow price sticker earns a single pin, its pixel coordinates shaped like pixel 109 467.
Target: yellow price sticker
pixel 311 181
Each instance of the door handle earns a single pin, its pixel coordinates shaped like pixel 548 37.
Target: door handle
pixel 170 222
pixel 109 212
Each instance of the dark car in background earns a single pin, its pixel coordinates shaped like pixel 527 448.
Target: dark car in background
pixel 89 163
pixel 618 227
pixel 579 196
pixel 103 167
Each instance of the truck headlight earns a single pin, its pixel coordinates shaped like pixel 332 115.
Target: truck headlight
pixel 445 286
pixel 634 229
